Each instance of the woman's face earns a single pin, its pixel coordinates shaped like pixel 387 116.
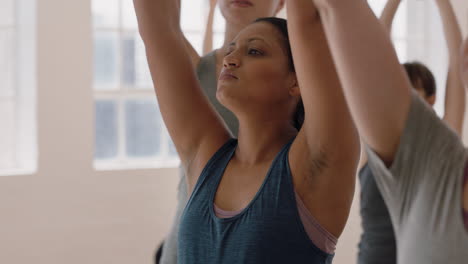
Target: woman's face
pixel 243 12
pixel 465 63
pixel 256 74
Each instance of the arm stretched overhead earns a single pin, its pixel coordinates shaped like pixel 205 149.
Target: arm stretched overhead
pixel 194 56
pixel 455 93
pixel 388 14
pixel 464 63
pixel 375 85
pixel 208 39
pixel 194 126
pixel 327 146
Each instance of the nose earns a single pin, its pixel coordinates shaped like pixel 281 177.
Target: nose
pixel 231 61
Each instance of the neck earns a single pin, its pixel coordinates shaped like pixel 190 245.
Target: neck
pixel 260 141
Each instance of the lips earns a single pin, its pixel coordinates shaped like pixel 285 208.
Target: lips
pixel 242 3
pixel 227 75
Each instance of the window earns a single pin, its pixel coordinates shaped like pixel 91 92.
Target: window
pixel 417 35
pixel 399 27
pixel 17 99
pixel 129 131
pixel 193 23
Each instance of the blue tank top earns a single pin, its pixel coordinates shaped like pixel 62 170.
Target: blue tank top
pixel 269 230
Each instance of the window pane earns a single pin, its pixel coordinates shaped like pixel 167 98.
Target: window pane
pixel 377 6
pixel 400 23
pixel 192 16
pixel 7 14
pixel 105 60
pixel 106 145
pixel 6 63
pixel 106 13
pixel 129 20
pixel 172 149
pixel 218 40
pixel 7 133
pixel 219 23
pixel 400 47
pixel 143 128
pixel 196 39
pixel 135 72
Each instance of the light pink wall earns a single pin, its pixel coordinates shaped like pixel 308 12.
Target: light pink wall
pixel 67 212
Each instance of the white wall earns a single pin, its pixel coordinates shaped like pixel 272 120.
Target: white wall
pixel 69 213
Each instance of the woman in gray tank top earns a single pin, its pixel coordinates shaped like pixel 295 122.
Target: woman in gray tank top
pixel 418 162
pixel 207 69
pixel 258 83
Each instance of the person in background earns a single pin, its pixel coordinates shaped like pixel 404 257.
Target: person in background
pixel 417 160
pixel 208 38
pixel 377 244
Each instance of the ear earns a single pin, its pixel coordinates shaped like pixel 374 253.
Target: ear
pixel 280 6
pixel 293 86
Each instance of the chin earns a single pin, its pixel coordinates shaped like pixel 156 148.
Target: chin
pixel 225 98
pixel 239 17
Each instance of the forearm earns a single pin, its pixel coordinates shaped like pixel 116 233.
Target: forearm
pixel 455 93
pixel 372 78
pixel 182 103
pixel 157 17
pixel 208 40
pixel 388 14
pixel 455 102
pixel 452 32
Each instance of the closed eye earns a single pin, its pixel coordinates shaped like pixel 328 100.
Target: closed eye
pixel 254 52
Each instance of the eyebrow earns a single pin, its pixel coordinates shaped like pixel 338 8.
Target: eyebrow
pixel 250 40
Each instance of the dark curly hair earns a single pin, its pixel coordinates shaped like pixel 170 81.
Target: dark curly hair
pixel 421 77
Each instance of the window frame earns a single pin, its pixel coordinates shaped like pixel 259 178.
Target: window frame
pixel 122 93
pixel 23 142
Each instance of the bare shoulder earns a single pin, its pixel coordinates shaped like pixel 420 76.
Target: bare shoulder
pixel 205 152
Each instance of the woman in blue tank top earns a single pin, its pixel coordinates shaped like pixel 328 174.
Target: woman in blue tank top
pixel 296 139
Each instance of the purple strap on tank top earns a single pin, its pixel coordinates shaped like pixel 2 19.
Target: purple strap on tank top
pixel 319 235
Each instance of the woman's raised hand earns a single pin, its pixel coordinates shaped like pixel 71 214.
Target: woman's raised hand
pixel 213 4
pixel 159 15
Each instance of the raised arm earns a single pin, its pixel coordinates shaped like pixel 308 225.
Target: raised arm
pixel 455 93
pixel 388 14
pixel 328 139
pixel 194 56
pixel 375 85
pixel 464 63
pixel 208 39
pixel 194 126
